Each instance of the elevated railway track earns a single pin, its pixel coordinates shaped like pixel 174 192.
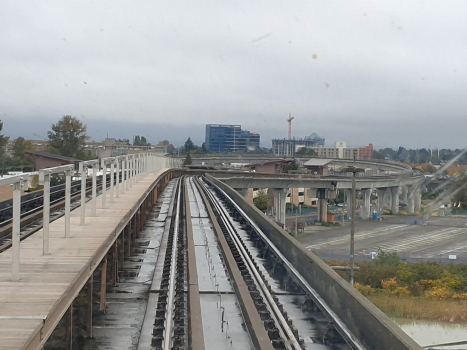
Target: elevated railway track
pixel 226 277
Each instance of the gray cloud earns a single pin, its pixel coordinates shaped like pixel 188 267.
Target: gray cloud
pixel 387 73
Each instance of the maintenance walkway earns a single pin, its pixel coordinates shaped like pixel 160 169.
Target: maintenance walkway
pixel 31 308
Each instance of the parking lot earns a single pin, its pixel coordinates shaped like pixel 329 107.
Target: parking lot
pixel 442 239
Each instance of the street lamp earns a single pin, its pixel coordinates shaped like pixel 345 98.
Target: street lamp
pixel 353 170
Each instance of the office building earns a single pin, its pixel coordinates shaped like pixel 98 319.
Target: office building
pixel 230 138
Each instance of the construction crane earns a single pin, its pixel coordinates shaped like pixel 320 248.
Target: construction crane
pixel 290 125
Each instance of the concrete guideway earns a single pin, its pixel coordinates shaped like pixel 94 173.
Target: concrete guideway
pixel 31 308
pixel 396 180
pixel 366 322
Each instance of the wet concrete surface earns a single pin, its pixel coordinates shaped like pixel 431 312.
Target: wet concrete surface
pixel 223 323
pixel 120 326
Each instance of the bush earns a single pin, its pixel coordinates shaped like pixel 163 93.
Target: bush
pixel 364 290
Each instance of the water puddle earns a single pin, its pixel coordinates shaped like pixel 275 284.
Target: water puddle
pixel 428 333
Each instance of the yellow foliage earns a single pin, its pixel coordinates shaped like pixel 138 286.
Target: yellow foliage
pixel 438 293
pixel 462 296
pixel 364 289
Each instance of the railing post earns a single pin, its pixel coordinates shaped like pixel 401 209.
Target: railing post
pixel 67 202
pixel 82 170
pixel 44 179
pixel 112 181
pixel 104 182
pixel 124 178
pixel 117 182
pixel 95 167
pixel 15 235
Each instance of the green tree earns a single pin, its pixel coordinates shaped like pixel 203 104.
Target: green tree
pixel 20 147
pixel 68 137
pixel 261 200
pixel 137 141
pixel 3 141
pixel 377 155
pixel 189 145
pixel 292 166
pixel 203 148
pixel 188 160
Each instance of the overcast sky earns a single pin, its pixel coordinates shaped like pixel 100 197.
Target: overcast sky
pixel 384 72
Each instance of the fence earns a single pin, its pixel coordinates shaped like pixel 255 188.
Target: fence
pixel 413 257
pixel 124 171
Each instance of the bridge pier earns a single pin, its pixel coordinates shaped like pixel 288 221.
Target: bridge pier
pixel 381 193
pixel 417 199
pixel 366 208
pixel 280 197
pixel 395 192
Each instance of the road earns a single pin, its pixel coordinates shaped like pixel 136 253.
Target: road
pixel 441 239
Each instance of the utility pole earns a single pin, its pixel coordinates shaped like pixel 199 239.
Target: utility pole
pixel 353 169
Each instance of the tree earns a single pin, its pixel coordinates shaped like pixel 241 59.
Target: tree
pixel 20 147
pixel 3 141
pixel 189 145
pixel 377 155
pixel 137 141
pixel 68 137
pixel 203 148
pixel 291 166
pixel 188 160
pixel 261 200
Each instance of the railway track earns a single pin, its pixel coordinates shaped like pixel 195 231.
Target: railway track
pixel 225 286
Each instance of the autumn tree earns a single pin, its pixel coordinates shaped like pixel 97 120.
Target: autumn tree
pixel 68 137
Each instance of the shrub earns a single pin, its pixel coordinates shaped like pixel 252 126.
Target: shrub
pixel 438 293
pixel 364 290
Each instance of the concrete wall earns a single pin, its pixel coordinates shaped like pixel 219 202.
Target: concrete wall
pixel 373 328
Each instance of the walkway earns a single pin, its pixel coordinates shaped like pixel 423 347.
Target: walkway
pixel 31 308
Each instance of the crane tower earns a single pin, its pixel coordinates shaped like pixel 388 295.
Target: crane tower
pixel 290 125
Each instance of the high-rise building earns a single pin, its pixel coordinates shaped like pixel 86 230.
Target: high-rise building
pixel 230 138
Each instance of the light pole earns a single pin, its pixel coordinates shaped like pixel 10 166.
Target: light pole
pixel 353 170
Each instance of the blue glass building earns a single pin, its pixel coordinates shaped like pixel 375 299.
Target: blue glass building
pixel 230 138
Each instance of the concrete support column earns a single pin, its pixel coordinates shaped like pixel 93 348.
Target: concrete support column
pixel 366 209
pixel 410 199
pixel 395 192
pixel 89 308
pixel 381 193
pixel 103 284
pixel 405 191
pixel 322 195
pixel 280 197
pixel 322 209
pixel 417 199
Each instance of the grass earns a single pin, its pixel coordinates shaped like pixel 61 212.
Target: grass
pixel 423 291
pixel 421 308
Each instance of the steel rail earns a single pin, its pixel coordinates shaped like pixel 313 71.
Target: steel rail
pixel 171 292
pixel 340 326
pixel 286 330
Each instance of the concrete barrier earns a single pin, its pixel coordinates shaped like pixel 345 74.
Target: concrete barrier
pixel 371 326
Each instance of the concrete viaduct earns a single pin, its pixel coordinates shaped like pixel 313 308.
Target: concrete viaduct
pixel 389 180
